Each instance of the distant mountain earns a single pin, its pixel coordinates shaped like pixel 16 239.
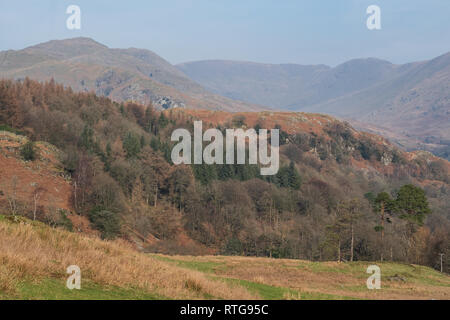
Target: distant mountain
pixel 286 86
pixel 408 103
pixel 121 74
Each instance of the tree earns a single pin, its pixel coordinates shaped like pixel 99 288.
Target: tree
pixel 162 121
pixel 294 177
pixel 334 235
pixel 10 191
pixel 347 215
pixel 107 222
pixel 350 213
pixel 87 138
pixel 37 193
pixel 288 177
pixel 131 145
pixel 383 204
pixel 179 181
pixel 412 204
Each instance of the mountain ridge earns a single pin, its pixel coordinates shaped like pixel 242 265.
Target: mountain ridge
pixel 136 74
pixel 409 102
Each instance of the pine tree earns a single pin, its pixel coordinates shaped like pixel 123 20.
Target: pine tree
pixel 383 204
pixel 131 145
pixel 412 204
pixel 295 180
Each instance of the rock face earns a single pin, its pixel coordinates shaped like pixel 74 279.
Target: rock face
pixel 167 103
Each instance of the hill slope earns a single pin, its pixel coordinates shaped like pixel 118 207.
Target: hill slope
pixel 122 180
pixel 35 258
pixel 121 74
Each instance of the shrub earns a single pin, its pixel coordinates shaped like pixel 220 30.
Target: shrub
pixel 28 152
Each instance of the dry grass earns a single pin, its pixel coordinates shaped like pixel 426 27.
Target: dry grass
pixel 330 278
pixel 33 252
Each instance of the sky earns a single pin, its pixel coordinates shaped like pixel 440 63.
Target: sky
pixel 269 31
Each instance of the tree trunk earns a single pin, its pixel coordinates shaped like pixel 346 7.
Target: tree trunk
pixel 382 232
pixel 352 242
pixel 339 250
pixel 34 209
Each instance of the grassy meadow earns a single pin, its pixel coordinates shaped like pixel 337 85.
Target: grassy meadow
pixel 34 258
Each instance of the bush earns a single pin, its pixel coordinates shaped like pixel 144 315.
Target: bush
pixel 4 127
pixel 58 218
pixel 28 152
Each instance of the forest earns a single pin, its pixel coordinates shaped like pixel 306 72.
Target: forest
pixel 340 196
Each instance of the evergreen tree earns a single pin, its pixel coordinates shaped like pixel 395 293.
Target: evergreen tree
pixel 295 180
pixel 131 145
pixel 87 138
pixel 412 204
pixel 383 205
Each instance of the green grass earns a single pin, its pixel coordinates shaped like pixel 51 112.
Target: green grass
pixel 265 291
pixel 269 292
pixel 205 267
pixel 52 289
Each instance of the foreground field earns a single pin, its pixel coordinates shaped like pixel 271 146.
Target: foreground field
pixel 34 258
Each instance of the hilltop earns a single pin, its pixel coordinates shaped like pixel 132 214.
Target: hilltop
pixel 121 74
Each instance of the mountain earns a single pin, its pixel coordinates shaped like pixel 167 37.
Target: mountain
pixel 413 104
pixel 286 86
pixel 121 74
pixel 408 103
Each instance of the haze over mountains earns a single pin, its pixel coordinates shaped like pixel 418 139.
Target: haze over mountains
pixel 409 103
pixel 121 74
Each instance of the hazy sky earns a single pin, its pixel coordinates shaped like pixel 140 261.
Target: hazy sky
pixel 272 31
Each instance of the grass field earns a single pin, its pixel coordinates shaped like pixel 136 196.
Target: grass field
pixel 34 258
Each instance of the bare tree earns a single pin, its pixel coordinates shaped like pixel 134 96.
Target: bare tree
pixel 37 193
pixel 11 195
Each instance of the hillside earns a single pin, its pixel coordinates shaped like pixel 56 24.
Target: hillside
pixel 120 74
pixel 36 256
pixel 407 103
pixel 44 175
pixel 114 162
